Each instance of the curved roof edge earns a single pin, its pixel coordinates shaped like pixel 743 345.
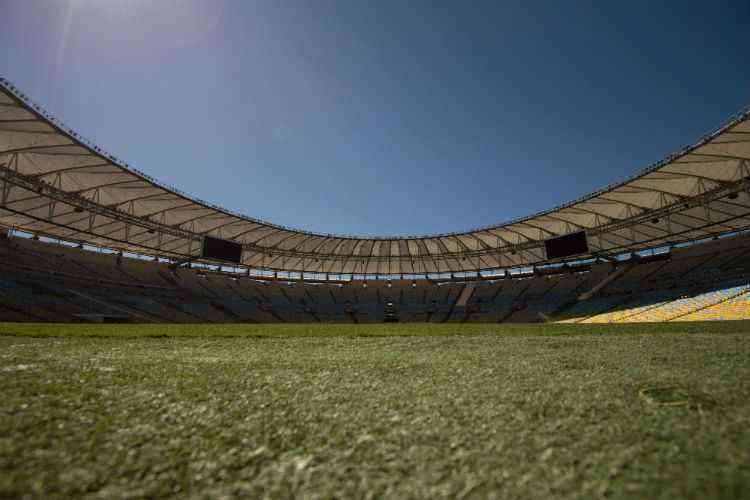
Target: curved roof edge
pixel 729 122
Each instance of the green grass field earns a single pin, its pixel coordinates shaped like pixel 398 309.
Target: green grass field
pixel 631 411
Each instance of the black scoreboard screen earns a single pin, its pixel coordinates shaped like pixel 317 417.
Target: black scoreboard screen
pixel 215 248
pixel 567 246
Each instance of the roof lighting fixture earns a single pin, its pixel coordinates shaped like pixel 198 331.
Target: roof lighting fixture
pixel 364 284
pixel 414 284
pixel 389 284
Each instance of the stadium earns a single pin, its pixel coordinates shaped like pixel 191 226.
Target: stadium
pixel 674 233
pixel 153 344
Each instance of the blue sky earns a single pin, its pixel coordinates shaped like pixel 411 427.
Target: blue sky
pixel 382 117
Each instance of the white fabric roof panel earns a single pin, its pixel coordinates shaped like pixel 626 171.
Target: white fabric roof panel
pixel 56 183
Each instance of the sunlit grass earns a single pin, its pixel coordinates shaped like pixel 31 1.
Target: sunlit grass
pixel 526 411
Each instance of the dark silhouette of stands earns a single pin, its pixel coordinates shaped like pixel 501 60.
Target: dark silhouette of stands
pixel 48 282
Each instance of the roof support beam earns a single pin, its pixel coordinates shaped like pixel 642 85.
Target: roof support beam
pixel 69 169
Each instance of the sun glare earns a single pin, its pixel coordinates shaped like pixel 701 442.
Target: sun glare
pixel 139 28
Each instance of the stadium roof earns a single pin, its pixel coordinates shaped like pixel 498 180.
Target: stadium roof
pixel 56 183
